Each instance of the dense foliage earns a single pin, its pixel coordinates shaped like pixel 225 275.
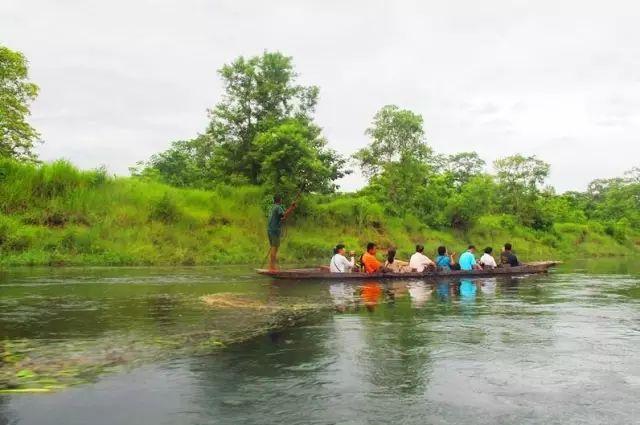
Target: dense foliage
pixel 54 214
pixel 261 132
pixel 17 136
pixel 204 200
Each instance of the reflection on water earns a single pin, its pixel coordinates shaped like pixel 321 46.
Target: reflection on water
pixel 349 296
pixel 559 348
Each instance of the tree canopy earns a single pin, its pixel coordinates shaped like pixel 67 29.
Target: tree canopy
pixel 396 135
pixel 17 136
pixel 261 132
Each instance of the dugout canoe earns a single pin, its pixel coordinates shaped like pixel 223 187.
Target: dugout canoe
pixel 324 274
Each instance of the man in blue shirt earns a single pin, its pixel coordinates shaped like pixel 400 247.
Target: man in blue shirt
pixel 274 228
pixel 467 260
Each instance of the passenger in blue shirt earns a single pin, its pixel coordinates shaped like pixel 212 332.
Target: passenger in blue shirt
pixel 468 289
pixel 446 261
pixel 468 260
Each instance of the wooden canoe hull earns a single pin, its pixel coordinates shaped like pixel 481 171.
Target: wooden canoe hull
pixel 320 273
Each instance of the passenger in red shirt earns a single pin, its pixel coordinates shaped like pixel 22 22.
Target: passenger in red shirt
pixel 369 260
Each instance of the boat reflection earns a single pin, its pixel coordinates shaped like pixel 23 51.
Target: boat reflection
pixel 417 294
pixel 343 296
pixel 488 285
pixel 370 293
pixel 420 293
pixel 468 289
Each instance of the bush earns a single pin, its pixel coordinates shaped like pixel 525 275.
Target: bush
pixel 306 248
pixel 348 211
pixel 165 210
pixel 493 225
pixel 618 230
pixel 55 179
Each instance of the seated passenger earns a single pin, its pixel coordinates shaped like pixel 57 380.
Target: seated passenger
pixel 419 262
pixel 444 260
pixel 339 263
pixel 395 266
pixel 508 257
pixel 369 261
pixel 468 260
pixel 487 261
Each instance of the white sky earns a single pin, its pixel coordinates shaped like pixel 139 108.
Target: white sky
pixel 121 79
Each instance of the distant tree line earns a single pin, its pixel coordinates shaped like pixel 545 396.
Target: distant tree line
pixel 262 132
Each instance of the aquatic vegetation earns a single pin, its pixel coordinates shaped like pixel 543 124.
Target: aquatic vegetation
pixel 229 300
pixel 31 365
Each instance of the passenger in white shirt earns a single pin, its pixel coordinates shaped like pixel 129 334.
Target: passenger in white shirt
pixel 487 261
pixel 419 261
pixel 339 263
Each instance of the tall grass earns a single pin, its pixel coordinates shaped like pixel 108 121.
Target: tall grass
pixel 55 214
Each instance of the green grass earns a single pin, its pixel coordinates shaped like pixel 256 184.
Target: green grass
pixel 55 214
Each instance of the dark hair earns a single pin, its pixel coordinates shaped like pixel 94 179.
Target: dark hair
pixel 370 246
pixel 419 248
pixel 442 250
pixel 338 248
pixel 488 250
pixel 391 255
pixel 507 246
pixel 277 198
pixel 472 247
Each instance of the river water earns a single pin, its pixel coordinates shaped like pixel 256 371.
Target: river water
pixel 561 348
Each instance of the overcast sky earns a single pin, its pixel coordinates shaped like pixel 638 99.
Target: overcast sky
pixel 559 79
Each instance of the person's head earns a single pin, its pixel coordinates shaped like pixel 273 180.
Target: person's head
pixel 277 199
pixel 488 250
pixel 472 248
pixel 419 248
pixel 371 248
pixel 442 250
pixel 391 255
pixel 339 249
pixel 507 247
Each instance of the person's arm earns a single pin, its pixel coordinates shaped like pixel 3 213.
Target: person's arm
pixel 347 265
pixel 452 258
pixel 289 210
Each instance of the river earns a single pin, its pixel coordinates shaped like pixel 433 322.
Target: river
pixel 559 348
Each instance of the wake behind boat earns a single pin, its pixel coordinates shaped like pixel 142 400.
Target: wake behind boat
pixel 324 273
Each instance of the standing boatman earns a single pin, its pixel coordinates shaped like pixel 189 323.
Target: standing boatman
pixel 274 228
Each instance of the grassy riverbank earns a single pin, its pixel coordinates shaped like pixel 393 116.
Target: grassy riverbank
pixel 55 214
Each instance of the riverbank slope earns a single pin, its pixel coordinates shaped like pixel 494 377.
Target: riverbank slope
pixel 55 214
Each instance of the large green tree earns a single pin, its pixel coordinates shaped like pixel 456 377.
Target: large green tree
pixel 17 136
pixel 397 136
pixel 520 179
pixel 294 157
pixel 260 93
pixel 264 116
pixel 463 166
pixel 398 162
